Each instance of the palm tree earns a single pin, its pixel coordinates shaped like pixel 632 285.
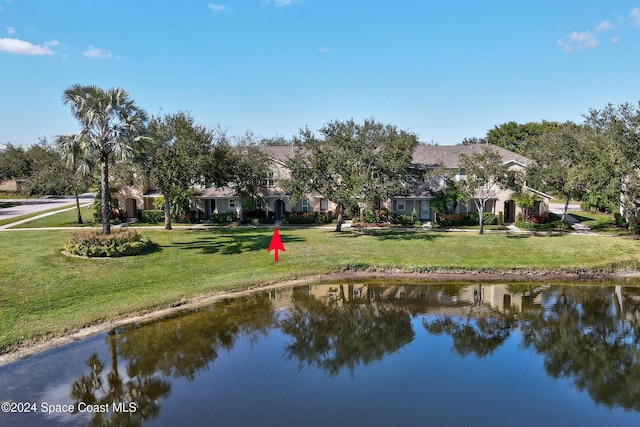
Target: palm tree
pixel 79 161
pixel 112 124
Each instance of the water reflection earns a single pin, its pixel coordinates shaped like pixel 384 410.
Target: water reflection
pixel 591 336
pixel 176 347
pixel 586 335
pixel 346 327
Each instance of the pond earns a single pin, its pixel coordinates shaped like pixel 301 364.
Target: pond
pixel 352 353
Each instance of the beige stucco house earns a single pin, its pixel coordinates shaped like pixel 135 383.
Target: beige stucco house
pixel 211 200
pixel 446 156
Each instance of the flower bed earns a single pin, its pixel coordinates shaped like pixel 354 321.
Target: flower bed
pixel 95 244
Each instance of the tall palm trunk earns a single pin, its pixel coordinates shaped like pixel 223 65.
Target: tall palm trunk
pixel 75 193
pixel 104 185
pixel 167 212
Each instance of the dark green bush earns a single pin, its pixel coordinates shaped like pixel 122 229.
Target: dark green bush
pixel 257 217
pixel 154 215
pixel 620 221
pixel 306 218
pixel 458 219
pixel 405 220
pixel 95 244
pixel 223 218
pixel 597 202
pixel 554 225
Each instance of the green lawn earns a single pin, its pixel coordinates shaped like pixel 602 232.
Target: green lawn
pixel 599 222
pixel 44 293
pixel 31 215
pixel 67 218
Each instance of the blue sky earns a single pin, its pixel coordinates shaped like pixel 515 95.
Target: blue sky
pixel 444 70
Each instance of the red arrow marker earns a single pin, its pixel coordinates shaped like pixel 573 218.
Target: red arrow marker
pixel 276 244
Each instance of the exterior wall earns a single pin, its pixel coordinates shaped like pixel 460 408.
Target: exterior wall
pixel 10 185
pixel 125 194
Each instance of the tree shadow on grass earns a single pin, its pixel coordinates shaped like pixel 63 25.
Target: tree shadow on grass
pixel 392 234
pixel 232 243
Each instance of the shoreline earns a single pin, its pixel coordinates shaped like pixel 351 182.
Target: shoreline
pixel 34 348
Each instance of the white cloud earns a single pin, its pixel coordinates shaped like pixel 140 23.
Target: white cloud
pixel 324 50
pixel 217 7
pixel 282 3
pixel 615 40
pixel 635 16
pixel 604 26
pixel 579 40
pixel 22 47
pixel 11 31
pixel 97 53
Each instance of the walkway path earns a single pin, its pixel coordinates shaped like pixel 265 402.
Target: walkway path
pixel 558 208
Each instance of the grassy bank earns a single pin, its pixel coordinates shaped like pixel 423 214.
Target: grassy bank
pixel 44 293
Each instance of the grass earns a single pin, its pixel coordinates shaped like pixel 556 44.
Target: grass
pixel 44 293
pixel 31 215
pixel 599 222
pixel 16 196
pixel 474 227
pixel 68 218
pixel 563 201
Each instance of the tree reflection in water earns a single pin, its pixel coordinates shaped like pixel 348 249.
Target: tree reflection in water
pixel 344 333
pixel 583 334
pixel 588 334
pixel 179 347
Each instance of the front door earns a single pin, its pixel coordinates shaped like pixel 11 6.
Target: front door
pixel 279 208
pixel 509 211
pixel 425 210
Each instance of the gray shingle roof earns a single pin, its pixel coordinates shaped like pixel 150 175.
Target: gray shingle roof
pixel 423 155
pixel 447 155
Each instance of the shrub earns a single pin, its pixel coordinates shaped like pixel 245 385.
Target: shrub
pixel 449 220
pixel 190 217
pixel 377 217
pixel 404 220
pixel 151 216
pixel 553 225
pixel 306 218
pixel 620 221
pixel 223 218
pixel 597 202
pixel 540 219
pixel 488 218
pixel 95 244
pixel 500 218
pixel 118 216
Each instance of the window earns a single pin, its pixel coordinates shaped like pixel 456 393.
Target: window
pixel 271 179
pixel 232 204
pixel 258 205
pixel 400 205
pixel 324 204
pixel 305 205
